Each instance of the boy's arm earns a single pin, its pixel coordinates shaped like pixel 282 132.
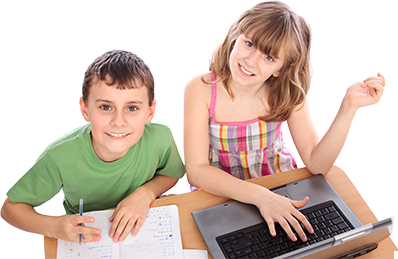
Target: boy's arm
pixel 66 227
pixel 131 211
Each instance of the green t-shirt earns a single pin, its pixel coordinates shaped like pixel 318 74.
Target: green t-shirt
pixel 70 164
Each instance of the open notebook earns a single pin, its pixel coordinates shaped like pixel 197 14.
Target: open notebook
pixel 159 237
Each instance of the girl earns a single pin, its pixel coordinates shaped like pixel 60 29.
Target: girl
pixel 259 77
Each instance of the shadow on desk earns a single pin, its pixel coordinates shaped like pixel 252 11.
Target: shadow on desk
pixel 189 202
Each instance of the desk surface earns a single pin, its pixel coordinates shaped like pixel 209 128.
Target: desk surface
pixel 189 202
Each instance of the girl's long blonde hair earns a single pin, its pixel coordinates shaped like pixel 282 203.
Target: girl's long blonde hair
pixel 273 25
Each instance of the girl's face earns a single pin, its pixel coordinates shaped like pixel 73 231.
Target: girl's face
pixel 249 66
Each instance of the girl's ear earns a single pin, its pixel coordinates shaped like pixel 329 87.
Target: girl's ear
pixel 84 110
pixel 151 112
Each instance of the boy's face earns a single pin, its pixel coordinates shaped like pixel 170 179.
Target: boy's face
pixel 117 117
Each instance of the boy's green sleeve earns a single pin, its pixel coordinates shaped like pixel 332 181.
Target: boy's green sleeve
pixel 171 163
pixel 38 185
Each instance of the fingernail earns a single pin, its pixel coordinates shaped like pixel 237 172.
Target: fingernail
pixel 294 239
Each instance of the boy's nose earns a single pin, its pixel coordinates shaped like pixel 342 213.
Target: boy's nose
pixel 118 119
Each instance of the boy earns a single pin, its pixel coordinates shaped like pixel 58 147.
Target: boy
pixel 117 160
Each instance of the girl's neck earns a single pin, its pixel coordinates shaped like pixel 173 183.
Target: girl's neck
pixel 248 91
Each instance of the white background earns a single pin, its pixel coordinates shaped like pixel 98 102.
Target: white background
pixel 47 46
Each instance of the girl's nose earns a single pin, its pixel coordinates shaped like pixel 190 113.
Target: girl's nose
pixel 253 58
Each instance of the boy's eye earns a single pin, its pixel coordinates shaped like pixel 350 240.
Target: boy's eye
pixel 132 108
pixel 269 58
pixel 249 44
pixel 105 107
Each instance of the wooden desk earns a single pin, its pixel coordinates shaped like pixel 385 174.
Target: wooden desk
pixel 189 202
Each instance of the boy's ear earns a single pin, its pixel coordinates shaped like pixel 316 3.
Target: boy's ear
pixel 151 112
pixel 84 110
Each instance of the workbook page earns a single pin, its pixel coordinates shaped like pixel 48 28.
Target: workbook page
pixel 159 237
pixel 105 248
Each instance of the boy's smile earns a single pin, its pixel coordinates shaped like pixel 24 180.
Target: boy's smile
pixel 117 117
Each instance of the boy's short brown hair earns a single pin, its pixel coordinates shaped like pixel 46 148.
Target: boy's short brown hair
pixel 120 69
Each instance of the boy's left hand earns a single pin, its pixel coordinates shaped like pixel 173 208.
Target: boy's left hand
pixel 130 213
pixel 366 93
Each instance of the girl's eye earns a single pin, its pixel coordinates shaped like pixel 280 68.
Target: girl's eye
pixel 269 58
pixel 132 108
pixel 105 107
pixel 249 44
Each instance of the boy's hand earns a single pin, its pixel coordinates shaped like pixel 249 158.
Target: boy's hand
pixel 277 208
pixel 68 229
pixel 129 215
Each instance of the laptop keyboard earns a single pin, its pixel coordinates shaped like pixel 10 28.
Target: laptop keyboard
pixel 256 242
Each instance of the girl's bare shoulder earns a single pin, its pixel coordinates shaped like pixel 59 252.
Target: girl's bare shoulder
pixel 200 85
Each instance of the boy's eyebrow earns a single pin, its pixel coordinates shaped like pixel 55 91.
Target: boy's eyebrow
pixel 131 102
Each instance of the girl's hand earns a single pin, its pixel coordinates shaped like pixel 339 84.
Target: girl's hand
pixel 284 211
pixel 67 228
pixel 129 215
pixel 366 93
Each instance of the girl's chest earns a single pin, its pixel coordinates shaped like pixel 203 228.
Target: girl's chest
pixel 228 110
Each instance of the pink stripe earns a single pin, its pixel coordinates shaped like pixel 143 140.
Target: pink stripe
pixel 278 130
pixel 294 164
pixel 213 99
pixel 265 170
pixel 225 163
pixel 236 124
pixel 241 138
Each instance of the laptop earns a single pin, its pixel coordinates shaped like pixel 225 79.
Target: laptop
pixel 237 230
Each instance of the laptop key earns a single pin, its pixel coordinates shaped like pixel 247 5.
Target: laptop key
pixel 243 252
pixel 331 215
pixel 343 225
pixel 338 220
pixel 242 245
pixel 224 240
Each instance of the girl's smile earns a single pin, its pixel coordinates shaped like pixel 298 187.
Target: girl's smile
pixel 245 72
pixel 249 66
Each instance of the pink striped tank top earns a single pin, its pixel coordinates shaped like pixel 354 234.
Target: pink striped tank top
pixel 247 149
